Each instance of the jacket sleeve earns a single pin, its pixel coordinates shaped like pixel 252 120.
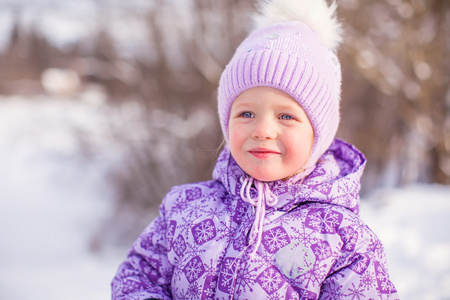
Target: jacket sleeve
pixel 146 273
pixel 362 272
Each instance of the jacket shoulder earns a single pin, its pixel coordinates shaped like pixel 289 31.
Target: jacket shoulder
pixel 190 192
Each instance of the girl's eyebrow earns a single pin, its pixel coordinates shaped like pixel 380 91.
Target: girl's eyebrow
pixel 286 106
pixel 242 105
pixel 291 107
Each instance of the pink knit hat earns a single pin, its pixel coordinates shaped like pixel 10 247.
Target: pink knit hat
pixel 292 57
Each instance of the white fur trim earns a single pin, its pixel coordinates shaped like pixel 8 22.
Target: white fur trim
pixel 316 14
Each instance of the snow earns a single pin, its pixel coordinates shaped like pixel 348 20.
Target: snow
pixel 54 199
pixel 413 224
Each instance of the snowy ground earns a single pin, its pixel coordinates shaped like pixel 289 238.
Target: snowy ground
pixel 52 200
pixel 414 225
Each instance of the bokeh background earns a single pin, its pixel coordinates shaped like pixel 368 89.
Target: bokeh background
pixel 106 104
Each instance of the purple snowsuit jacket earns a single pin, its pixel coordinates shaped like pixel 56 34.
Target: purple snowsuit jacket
pixel 314 245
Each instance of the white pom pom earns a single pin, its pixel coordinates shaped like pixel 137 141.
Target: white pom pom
pixel 316 14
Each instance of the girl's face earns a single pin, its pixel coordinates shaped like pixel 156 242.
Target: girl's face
pixel 270 135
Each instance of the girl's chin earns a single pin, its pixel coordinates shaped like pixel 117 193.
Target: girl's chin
pixel 266 177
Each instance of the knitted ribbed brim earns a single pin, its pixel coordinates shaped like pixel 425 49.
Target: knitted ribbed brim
pixel 290 57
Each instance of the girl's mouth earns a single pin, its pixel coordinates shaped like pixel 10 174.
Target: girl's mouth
pixel 263 152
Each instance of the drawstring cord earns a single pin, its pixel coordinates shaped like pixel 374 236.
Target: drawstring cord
pixel 264 197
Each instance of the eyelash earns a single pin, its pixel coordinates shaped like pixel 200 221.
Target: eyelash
pixel 289 117
pixel 247 114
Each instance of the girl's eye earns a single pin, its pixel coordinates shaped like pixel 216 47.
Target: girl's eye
pixel 286 117
pixel 246 114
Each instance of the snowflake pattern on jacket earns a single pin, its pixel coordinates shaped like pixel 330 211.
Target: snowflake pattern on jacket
pixel 314 245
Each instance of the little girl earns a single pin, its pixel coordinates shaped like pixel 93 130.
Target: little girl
pixel 280 219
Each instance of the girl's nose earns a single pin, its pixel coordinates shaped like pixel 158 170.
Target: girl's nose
pixel 264 130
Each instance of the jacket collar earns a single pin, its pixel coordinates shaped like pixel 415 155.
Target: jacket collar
pixel 335 180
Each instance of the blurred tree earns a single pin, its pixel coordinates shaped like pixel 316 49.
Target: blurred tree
pixel 23 60
pixel 396 81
